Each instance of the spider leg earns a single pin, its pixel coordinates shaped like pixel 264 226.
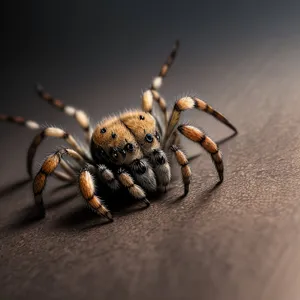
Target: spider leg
pixel 139 169
pixel 80 116
pixel 56 133
pixel 161 167
pixel 196 135
pixel 63 176
pixel 70 169
pixel 190 103
pixel 48 168
pixel 157 81
pixel 173 140
pixel 34 126
pixel 143 174
pixel 87 189
pixel 134 190
pixel 152 93
pixel 147 106
pixel 20 121
pixel 108 177
pixel 185 169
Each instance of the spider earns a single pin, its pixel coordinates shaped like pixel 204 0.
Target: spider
pixel 127 151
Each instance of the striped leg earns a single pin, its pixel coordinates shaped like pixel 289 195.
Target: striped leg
pixel 161 167
pixel 185 169
pixel 157 81
pixel 104 174
pixel 87 189
pixel 152 93
pixel 147 104
pixel 51 132
pixel 190 103
pixel 196 135
pixel 20 121
pixel 108 177
pixel 34 125
pixel 48 168
pixel 80 116
pixel 135 190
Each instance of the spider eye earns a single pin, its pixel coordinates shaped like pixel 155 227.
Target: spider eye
pixel 123 152
pixel 103 130
pixel 99 154
pixel 129 147
pixel 142 117
pixel 149 138
pixel 157 136
pixel 114 153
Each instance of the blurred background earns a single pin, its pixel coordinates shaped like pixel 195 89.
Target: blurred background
pixel 99 56
pixel 240 56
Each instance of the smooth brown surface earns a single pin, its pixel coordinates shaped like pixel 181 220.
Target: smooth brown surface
pixel 238 241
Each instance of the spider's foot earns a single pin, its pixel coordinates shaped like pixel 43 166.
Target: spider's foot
pixel 109 216
pixel 40 212
pixel 221 180
pixel 186 190
pixel 39 206
pixel 147 202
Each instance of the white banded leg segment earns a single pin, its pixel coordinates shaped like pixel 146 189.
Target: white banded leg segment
pixel 134 190
pixel 79 115
pixel 196 135
pixel 107 177
pixel 51 132
pixel 87 189
pixel 147 103
pixel 185 169
pixel 20 121
pixel 186 103
pixel 48 168
pixel 157 81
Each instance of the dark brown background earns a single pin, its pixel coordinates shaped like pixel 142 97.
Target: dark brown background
pixel 239 241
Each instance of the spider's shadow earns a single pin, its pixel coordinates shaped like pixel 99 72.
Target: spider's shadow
pixel 120 204
pixel 82 218
pixel 205 197
pixel 29 216
pixel 13 187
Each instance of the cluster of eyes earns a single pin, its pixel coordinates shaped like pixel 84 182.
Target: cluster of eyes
pixel 129 147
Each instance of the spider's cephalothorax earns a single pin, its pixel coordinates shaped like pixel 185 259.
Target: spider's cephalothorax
pixel 127 151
